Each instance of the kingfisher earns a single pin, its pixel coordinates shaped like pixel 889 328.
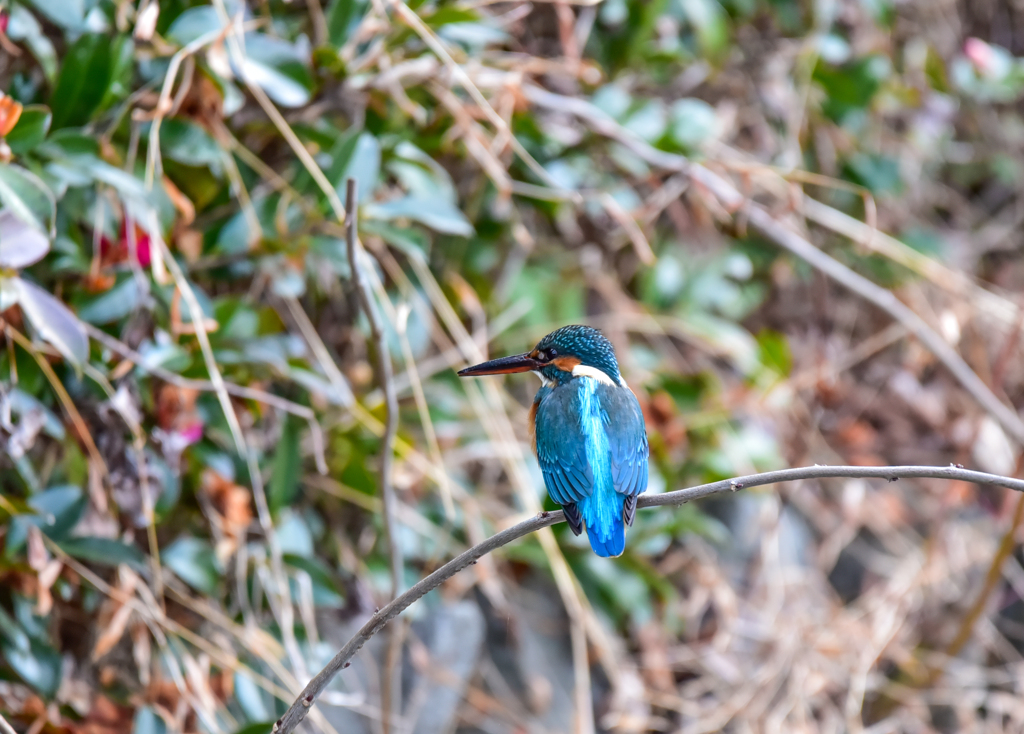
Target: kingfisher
pixel 588 432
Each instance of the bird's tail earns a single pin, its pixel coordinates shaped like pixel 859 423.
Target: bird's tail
pixel 608 539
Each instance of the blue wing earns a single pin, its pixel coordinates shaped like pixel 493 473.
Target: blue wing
pixel 561 444
pixel 627 439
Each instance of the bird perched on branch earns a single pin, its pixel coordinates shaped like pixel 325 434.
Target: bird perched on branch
pixel 588 432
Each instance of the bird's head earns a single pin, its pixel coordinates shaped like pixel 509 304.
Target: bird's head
pixel 572 351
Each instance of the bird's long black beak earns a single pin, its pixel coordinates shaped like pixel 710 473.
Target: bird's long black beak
pixel 516 363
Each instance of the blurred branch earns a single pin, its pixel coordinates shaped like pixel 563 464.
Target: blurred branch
pixel 761 219
pixel 298 710
pixel 385 375
pixel 954 281
pixel 5 728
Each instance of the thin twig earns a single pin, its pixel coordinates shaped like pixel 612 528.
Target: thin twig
pixel 385 375
pixel 780 234
pixel 298 710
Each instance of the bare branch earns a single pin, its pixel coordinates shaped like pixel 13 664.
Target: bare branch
pixel 298 710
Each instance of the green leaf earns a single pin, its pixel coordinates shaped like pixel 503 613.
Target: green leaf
pixel 52 320
pixel 88 168
pixel 339 19
pixel 258 727
pixel 11 632
pixel 879 173
pixel 774 351
pixel 341 153
pixel 294 536
pixel 279 87
pixel 451 14
pixel 60 509
pixel 475 36
pixel 284 477
pixel 849 88
pixel 364 166
pixel 613 100
pixel 113 305
pixel 105 551
pixel 281 68
pixel 68 14
pixel 193 24
pixel 122 66
pixel 194 562
pixel 189 144
pixel 27 196
pixel 420 174
pixel 648 121
pixel 710 23
pixel 84 79
pixel 693 122
pixel 21 244
pixel 39 666
pixel 31 129
pixel 438 214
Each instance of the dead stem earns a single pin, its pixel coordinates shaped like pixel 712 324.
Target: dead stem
pixel 392 694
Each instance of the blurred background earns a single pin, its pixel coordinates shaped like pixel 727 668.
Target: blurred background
pixel 190 507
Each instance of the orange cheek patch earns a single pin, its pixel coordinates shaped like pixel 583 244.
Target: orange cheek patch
pixel 566 364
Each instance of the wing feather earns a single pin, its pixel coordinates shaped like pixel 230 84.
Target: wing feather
pixel 627 439
pixel 561 447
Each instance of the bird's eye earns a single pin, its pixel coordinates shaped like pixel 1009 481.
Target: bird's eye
pixel 552 353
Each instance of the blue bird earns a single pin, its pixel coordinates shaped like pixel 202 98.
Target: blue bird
pixel 588 432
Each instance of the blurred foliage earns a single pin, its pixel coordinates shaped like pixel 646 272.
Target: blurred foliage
pixel 147 194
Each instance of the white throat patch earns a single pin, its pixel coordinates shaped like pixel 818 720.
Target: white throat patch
pixel 545 382
pixel 582 370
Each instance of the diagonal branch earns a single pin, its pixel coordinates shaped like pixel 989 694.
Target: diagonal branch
pixel 298 710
